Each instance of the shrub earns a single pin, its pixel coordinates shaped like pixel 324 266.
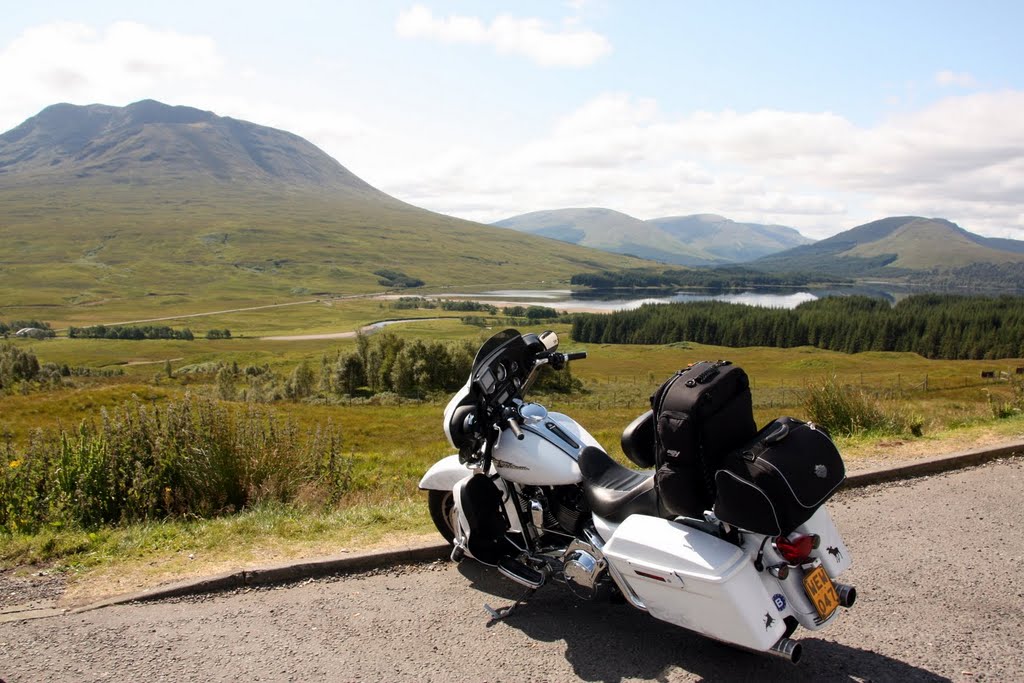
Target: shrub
pixel 16 365
pixel 848 411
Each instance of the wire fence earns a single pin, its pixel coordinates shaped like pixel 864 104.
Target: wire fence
pixel 635 390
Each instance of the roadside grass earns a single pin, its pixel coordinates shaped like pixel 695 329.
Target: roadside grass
pixel 115 560
pixel 392 445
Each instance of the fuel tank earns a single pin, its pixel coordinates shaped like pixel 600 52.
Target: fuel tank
pixel 547 454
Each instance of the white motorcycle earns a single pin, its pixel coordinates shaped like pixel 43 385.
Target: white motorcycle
pixel 534 494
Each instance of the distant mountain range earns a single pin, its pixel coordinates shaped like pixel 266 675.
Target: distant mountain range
pixel 930 251
pixel 697 240
pixel 175 208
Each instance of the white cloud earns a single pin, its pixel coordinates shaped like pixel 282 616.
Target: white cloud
pixel 961 158
pixel 70 62
pixel 531 38
pixel 952 78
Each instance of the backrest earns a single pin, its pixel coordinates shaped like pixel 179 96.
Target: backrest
pixel 638 440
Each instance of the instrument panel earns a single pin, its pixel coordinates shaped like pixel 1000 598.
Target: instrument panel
pixel 502 376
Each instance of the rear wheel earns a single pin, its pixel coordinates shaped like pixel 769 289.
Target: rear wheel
pixel 442 511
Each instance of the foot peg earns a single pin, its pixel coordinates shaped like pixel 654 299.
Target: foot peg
pixel 520 573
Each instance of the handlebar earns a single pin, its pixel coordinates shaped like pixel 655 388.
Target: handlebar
pixel 514 426
pixel 558 360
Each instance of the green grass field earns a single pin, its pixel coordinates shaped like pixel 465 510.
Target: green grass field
pixel 392 445
pixel 83 254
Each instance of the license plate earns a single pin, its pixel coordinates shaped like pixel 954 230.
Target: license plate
pixel 820 590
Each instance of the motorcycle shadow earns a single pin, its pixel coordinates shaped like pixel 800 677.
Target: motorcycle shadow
pixel 615 642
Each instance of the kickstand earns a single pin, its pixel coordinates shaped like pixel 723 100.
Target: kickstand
pixel 502 612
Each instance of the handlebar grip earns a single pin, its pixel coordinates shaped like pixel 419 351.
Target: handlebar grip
pixel 579 355
pixel 514 426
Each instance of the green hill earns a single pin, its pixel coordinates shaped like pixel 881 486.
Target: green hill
pixel 931 251
pixel 161 209
pixel 698 240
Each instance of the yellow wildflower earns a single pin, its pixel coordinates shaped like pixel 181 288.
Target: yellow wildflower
pixel 15 463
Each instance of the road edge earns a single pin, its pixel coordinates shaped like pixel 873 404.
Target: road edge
pixel 413 554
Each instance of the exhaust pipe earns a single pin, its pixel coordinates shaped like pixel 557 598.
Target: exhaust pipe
pixel 787 649
pixel 847 594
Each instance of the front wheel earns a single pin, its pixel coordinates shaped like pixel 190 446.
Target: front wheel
pixel 443 512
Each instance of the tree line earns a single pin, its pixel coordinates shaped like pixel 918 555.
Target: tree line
pixel 730 277
pixel 130 332
pixel 933 325
pixel 413 368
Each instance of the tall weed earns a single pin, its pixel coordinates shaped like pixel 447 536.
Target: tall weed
pixel 186 458
pixel 848 411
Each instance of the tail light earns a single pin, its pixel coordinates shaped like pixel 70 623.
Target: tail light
pixel 796 549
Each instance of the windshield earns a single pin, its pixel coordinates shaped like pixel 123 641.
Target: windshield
pixel 492 344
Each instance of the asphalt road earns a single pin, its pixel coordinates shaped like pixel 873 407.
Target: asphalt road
pixel 936 563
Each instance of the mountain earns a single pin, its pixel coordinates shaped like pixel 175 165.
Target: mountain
pixel 173 208
pixel 729 240
pixel 149 142
pixel 921 250
pixel 610 231
pixel 699 240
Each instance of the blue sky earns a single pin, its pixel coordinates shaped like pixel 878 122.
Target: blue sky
pixel 817 115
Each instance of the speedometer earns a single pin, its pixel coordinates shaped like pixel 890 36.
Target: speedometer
pixel 500 372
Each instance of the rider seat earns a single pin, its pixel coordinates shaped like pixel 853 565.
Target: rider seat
pixel 613 491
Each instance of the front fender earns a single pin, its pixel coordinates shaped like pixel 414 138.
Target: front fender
pixel 444 474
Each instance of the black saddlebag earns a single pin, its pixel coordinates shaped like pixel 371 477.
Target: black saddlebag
pixel 701 413
pixel 774 483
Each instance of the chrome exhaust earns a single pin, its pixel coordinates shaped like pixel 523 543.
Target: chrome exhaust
pixel 847 594
pixel 787 649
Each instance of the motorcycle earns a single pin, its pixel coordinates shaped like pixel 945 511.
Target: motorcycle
pixel 533 494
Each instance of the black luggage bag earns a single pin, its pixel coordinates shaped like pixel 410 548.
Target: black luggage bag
pixel 778 480
pixel 701 413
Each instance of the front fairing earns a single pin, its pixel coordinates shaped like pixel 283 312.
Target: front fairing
pixel 461 397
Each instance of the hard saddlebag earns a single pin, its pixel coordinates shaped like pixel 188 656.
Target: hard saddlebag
pixel 701 413
pixel 776 481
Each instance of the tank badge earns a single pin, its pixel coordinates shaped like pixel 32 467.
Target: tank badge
pixel 780 601
pixel 506 465
pixel 768 621
pixel 820 471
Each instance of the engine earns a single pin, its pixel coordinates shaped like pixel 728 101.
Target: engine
pixel 568 507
